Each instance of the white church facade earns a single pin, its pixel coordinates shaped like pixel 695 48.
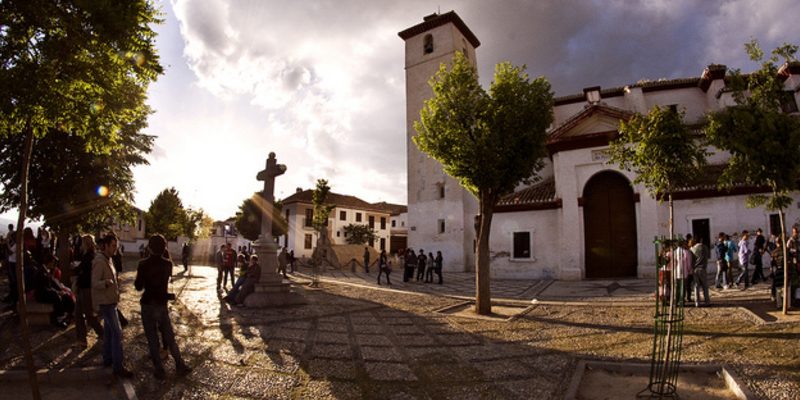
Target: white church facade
pixel 585 219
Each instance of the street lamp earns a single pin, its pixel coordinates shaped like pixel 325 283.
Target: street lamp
pixel 225 233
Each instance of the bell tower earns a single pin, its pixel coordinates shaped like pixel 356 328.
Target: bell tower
pixel 440 212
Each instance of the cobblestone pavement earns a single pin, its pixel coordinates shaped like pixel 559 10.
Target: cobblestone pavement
pixel 352 341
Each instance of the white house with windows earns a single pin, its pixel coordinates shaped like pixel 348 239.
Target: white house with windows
pixel 585 218
pixel 298 209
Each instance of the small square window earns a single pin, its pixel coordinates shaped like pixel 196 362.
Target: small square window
pixel 342 215
pixel 394 223
pixel 309 217
pixel 383 222
pixel 307 242
pixel 521 245
pixel 358 217
pixel 441 226
pixel 338 233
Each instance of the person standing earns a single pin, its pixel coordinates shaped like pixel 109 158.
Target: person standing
pixel 700 252
pixel 152 277
pixel 732 256
pixel 759 245
pixel 438 268
pixel 744 258
pixel 283 259
pixel 229 261
pixel 84 313
pixel 422 259
pixel 720 251
pixel 384 267
pixel 291 260
pixel 219 259
pixel 185 253
pixel 366 259
pixel 410 265
pixel 429 267
pixel 105 297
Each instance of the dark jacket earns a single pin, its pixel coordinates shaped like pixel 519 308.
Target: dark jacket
pixel 152 275
pixel 84 271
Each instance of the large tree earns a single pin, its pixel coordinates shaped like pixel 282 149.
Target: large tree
pixel 248 218
pixel 358 234
pixel 168 217
pixel 763 140
pixel 490 142
pixel 79 67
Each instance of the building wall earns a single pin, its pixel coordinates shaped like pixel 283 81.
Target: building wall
pixel 545 232
pixel 425 175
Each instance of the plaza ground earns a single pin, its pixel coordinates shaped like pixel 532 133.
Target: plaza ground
pixel 355 339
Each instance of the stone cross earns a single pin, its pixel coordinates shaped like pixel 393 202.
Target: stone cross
pixel 268 175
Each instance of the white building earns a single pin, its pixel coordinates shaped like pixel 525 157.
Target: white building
pixel 585 219
pixel 298 210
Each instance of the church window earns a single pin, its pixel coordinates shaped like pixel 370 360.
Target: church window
pixel 441 226
pixel 440 190
pixel 309 217
pixel 358 217
pixel 343 215
pixel 521 245
pixel 428 44
pixel 307 242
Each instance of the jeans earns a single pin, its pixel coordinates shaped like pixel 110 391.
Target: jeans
pixel 743 275
pixel 723 274
pixel 112 337
pixel 155 320
pixel 758 270
pixel 700 277
pixel 384 270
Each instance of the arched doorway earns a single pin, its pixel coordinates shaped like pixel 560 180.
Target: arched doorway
pixel 609 223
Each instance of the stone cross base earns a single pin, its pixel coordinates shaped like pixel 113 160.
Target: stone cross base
pixel 271 291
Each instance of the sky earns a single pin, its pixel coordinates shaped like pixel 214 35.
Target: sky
pixel 322 83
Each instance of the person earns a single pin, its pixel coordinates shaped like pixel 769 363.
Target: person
pixel 682 264
pixel 410 265
pixel 699 273
pixel 744 259
pixel 384 267
pixel 250 280
pixel 229 265
pixel 220 261
pixel 185 256
pixel 152 277
pixel 283 259
pixel 105 297
pixel 732 256
pixel 777 271
pixel 689 277
pixel 793 249
pixel 438 269
pixel 11 264
pixel 430 265
pixel 422 259
pixel 291 260
pixel 48 289
pixel 720 251
pixel 366 259
pixel 759 245
pixel 84 313
pixel 117 260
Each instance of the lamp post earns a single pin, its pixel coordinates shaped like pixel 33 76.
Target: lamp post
pixel 225 232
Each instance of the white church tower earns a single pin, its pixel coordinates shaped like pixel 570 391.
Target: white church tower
pixel 441 213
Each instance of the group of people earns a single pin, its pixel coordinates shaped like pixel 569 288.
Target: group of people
pixel 424 265
pixel 734 255
pixel 95 291
pixel 227 260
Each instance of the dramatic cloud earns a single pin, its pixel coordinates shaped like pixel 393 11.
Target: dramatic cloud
pixel 322 83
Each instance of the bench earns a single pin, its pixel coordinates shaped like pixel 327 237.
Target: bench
pixel 39 313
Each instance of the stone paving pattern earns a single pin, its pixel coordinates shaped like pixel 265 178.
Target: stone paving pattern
pixel 352 341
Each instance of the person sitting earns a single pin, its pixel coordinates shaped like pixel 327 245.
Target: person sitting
pixel 237 295
pixel 48 289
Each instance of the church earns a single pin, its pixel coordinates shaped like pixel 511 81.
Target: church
pixel 585 219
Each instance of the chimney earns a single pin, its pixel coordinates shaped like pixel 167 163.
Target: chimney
pixel 712 73
pixel 298 190
pixel 592 94
pixel 430 17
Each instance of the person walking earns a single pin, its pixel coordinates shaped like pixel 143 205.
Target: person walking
pixel 219 259
pixel 152 277
pixel 732 257
pixel 759 245
pixel 700 252
pixel 438 266
pixel 84 313
pixel 384 267
pixel 291 260
pixel 185 253
pixel 410 265
pixel 105 297
pixel 744 259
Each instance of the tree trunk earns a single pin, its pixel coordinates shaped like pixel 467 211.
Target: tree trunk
pixel 23 308
pixel 786 286
pixel 483 300
pixel 62 251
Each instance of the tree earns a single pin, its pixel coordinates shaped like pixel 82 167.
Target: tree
pixel 77 67
pixel 248 218
pixel 489 142
pixel 358 234
pixel 167 216
pixel 763 141
pixel 322 210
pixel 198 224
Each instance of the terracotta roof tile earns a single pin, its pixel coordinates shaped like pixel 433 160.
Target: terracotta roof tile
pixel 339 200
pixel 439 20
pixel 542 192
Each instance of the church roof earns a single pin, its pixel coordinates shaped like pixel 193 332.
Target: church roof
pixel 573 135
pixel 437 20
pixel 705 185
pixel 338 200
pixel 393 209
pixel 539 196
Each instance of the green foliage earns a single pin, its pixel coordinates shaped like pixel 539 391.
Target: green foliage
pixel 489 142
pixel 167 216
pixel 660 149
pixel 79 67
pixel 358 234
pixel 321 209
pixel 65 178
pixel 248 218
pixel 763 142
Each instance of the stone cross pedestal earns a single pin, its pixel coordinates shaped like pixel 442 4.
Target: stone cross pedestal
pixel 271 290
